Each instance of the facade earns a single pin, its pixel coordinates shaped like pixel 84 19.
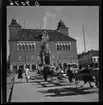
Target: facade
pixel 25 45
pixel 90 58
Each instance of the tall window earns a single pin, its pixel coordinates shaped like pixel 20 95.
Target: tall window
pixel 58 47
pixel 17 46
pixel 98 59
pixel 26 46
pixel 30 46
pixel 33 46
pixel 23 47
pixel 69 46
pixel 20 47
pixel 64 47
pixel 94 59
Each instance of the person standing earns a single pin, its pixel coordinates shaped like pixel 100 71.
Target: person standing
pixel 20 73
pixel 45 72
pixel 27 73
pixel 69 74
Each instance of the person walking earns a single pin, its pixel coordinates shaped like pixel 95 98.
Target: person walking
pixel 69 74
pixel 27 73
pixel 20 73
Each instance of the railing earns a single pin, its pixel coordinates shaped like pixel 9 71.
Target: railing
pixel 9 85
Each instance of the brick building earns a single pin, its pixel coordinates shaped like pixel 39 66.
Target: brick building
pixel 90 58
pixel 25 45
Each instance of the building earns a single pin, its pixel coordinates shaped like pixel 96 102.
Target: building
pixel 25 45
pixel 90 58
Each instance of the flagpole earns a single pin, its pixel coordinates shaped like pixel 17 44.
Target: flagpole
pixel 84 38
pixel 24 25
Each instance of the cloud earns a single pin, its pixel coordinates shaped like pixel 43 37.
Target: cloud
pixel 51 12
pixel 48 15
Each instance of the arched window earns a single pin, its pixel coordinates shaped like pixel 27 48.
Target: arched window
pixel 30 46
pixel 66 46
pixel 69 46
pixel 61 46
pixel 17 46
pixel 33 46
pixel 27 46
pixel 58 47
pixel 23 46
pixel 20 46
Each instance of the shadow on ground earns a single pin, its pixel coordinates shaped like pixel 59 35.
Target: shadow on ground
pixel 68 91
pixel 36 77
pixel 50 84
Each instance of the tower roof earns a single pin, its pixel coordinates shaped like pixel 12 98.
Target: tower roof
pixel 14 22
pixel 61 24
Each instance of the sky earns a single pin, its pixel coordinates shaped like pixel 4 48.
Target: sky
pixel 47 17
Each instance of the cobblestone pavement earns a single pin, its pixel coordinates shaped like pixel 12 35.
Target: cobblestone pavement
pixel 37 90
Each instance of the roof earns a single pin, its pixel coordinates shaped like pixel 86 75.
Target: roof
pixel 91 52
pixel 36 35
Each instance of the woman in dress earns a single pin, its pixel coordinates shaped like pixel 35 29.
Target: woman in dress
pixel 20 73
pixel 27 72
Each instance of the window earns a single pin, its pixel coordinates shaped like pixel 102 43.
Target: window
pixel 26 47
pixel 68 46
pixel 58 47
pixel 20 47
pixel 94 59
pixel 64 47
pixel 30 47
pixel 98 59
pixel 17 46
pixel 23 47
pixel 33 47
